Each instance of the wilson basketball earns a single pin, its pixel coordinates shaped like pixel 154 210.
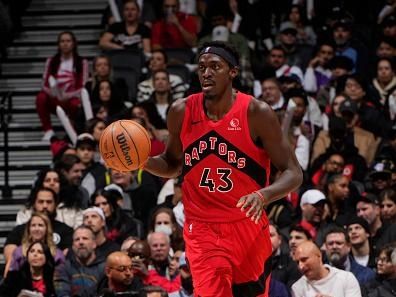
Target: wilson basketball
pixel 124 145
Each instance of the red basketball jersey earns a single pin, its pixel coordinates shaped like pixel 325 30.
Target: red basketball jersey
pixel 221 162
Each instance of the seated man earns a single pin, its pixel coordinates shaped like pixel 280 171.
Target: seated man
pixel 83 269
pixel 158 274
pixel 119 276
pixel 320 279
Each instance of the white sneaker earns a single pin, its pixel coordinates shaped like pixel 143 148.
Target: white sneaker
pixel 47 135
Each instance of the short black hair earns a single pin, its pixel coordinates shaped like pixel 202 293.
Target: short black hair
pixel 227 47
pixel 300 229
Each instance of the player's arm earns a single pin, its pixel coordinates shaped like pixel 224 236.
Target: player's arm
pixel 169 163
pixel 265 128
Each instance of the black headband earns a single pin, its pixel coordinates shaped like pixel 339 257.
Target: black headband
pixel 221 52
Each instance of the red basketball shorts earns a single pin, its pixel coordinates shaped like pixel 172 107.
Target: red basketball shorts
pixel 229 259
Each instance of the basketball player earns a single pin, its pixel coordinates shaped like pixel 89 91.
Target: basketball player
pixel 223 141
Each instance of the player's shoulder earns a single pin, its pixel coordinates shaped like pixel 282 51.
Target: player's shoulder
pixel 258 107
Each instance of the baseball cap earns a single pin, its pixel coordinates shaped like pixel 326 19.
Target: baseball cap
pixel 369 198
pixel 96 209
pixel 343 23
pixel 85 138
pixel 114 187
pixel 287 27
pixel 382 169
pixel 220 33
pixel 312 196
pixel 389 21
pixel 360 221
pixel 348 106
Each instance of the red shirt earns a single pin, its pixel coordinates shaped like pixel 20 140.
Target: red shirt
pixel 221 162
pixel 167 35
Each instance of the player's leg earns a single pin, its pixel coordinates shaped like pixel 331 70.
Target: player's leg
pixel 251 276
pixel 208 260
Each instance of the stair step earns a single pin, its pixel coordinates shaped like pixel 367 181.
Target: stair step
pixel 44 51
pixel 62 21
pixel 26 140
pixel 50 36
pixel 18 157
pixel 20 177
pixel 24 69
pixel 69 6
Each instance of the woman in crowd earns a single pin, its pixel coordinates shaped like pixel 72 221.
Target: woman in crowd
pixel 305 33
pixel 163 220
pixel 66 213
pixel 64 77
pixel 337 191
pixel 120 224
pixel 38 228
pixel 388 206
pixel 106 100
pixel 36 274
pixel 129 34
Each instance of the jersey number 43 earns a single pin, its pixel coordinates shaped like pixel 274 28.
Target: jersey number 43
pixel 221 181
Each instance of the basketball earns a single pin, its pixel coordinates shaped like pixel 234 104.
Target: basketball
pixel 124 145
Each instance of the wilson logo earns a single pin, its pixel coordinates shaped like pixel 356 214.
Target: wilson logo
pixel 124 147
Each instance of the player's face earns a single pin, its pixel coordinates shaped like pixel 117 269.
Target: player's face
pixel 215 75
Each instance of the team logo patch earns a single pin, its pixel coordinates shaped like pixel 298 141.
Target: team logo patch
pixel 234 125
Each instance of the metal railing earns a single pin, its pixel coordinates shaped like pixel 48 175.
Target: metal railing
pixel 5 119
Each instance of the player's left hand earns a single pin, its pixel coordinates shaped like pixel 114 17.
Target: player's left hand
pixel 253 205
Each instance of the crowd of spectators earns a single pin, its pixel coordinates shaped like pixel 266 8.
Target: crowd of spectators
pixel 328 71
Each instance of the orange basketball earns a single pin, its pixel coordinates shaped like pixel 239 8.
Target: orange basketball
pixel 124 145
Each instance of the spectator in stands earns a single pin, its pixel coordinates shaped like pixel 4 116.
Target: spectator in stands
pixel 159 61
pixel 277 60
pixel 38 228
pixel 320 173
pixel 94 218
pixel 312 208
pixel 272 94
pixel 305 33
pixel 337 248
pixel 337 192
pixel 319 279
pixel 137 184
pixel 318 73
pixel 368 209
pixel 95 127
pixel 175 29
pixel 385 283
pixel 158 274
pixel 187 288
pixel 108 102
pixel 359 235
pixel 119 277
pixel 64 76
pixel 36 274
pixel 119 223
pixel 139 252
pixel 380 175
pixel 44 201
pixel 386 48
pixel 154 291
pixel 298 234
pixel 388 206
pixel 74 196
pixel 129 34
pixel 174 201
pixel 218 16
pixel 284 269
pixel 94 175
pixel 339 66
pixel 342 35
pixel 372 119
pixel 162 95
pixel 83 268
pixel 295 53
pixel 384 85
pixel 163 220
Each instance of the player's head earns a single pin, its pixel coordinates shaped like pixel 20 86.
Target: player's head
pixel 218 65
